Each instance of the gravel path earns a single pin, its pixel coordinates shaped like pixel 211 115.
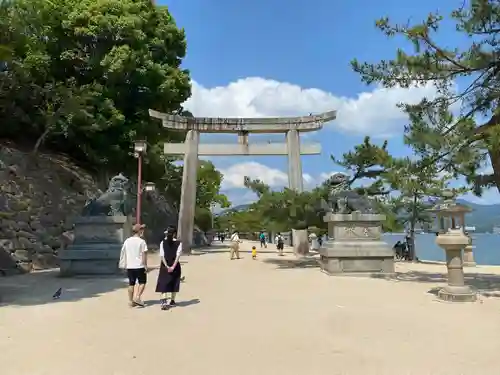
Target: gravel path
pixel 243 317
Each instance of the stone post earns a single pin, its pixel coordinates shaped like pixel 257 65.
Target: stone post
pixel 188 192
pixel 295 180
pixel 456 291
pixel 300 242
pixel 468 254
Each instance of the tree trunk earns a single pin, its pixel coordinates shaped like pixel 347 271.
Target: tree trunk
pixel 413 220
pixel 40 140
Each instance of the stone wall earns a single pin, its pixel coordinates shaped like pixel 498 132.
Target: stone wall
pixel 39 196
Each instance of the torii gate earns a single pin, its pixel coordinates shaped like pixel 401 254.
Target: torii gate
pixel 191 149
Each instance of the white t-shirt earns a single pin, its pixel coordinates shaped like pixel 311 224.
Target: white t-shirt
pixel 179 249
pixel 134 247
pixel 235 237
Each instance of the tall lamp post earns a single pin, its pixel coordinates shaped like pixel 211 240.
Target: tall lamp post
pixel 139 151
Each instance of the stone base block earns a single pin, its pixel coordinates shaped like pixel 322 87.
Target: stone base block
pixel 356 257
pixel 457 294
pixel 97 246
pixel 90 259
pixel 89 267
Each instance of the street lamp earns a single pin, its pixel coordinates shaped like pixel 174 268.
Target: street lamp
pixel 149 187
pixel 139 150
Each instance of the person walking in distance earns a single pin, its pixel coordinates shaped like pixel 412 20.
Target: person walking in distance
pixel 235 245
pixel 134 259
pixel 280 243
pixel 262 238
pixel 169 277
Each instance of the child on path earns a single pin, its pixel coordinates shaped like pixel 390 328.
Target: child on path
pixel 254 252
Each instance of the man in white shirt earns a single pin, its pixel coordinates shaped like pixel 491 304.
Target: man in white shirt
pixel 136 263
pixel 235 246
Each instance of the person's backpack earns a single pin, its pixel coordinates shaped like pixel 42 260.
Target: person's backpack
pixel 280 240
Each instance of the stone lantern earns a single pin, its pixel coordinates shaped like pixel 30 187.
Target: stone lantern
pixel 451 215
pixel 453 241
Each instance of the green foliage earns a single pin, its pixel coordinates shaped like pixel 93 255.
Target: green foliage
pixel 203 219
pixel 112 60
pixel 366 161
pixel 279 211
pixel 245 221
pixel 257 186
pixel 79 77
pixel 419 184
pixel 208 186
pixel 455 143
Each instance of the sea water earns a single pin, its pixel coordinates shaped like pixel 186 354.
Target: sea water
pixel 486 247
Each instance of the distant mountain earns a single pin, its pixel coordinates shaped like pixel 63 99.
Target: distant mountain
pixel 483 217
pixel 241 207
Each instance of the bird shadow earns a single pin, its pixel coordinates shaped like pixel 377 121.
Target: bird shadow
pixel 38 288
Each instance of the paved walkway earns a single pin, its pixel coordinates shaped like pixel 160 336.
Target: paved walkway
pixel 244 317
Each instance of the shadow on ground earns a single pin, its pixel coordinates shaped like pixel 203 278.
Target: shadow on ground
pixel 155 302
pixel 225 248
pixel 283 263
pixel 38 288
pixel 487 285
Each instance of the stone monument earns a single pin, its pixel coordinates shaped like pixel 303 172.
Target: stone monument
pixel 354 243
pixel 99 233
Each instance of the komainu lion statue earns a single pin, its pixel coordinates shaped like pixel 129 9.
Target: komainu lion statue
pixel 113 202
pixel 343 200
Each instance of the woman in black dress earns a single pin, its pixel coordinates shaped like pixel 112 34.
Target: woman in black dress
pixel 169 277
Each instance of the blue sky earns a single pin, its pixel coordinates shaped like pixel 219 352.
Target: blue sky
pixel 277 57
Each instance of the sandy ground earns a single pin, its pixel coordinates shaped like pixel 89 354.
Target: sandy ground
pixel 270 316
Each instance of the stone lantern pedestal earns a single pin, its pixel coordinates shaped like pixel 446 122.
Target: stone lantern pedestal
pixel 456 291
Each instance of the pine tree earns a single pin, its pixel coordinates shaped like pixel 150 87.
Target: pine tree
pixel 416 185
pixel 367 162
pixel 455 143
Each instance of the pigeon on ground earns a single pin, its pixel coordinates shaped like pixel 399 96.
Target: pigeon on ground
pixel 57 294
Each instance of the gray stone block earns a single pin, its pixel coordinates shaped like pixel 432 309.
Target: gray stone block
pixel 97 245
pixel 355 245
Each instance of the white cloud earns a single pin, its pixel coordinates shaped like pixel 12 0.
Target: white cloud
pixel 369 113
pixel 235 174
